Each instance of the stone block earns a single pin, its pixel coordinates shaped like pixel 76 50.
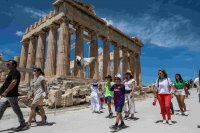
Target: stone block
pixel 67 99
pixel 55 98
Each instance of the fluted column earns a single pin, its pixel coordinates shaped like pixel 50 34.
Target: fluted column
pixel 132 63
pixel 116 59
pixel 40 57
pixel 124 61
pixel 138 69
pixel 50 68
pixel 23 58
pixel 31 56
pixel 94 66
pixel 106 58
pixel 62 48
pixel 79 50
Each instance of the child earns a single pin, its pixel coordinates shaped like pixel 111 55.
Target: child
pixel 101 97
pixel 119 99
pixel 95 104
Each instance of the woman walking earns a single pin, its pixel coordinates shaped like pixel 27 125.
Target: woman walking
pixel 163 86
pixel 129 106
pixel 39 92
pixel 180 86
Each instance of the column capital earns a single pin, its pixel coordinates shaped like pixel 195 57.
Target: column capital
pixel 64 19
pixel 53 26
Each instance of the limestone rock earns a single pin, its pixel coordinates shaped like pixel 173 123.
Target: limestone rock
pixel 55 98
pixel 88 99
pixel 76 101
pixel 67 98
pixel 67 84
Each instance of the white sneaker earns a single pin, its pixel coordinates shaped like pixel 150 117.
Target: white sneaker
pixel 180 113
pixel 185 113
pixel 164 122
pixel 169 122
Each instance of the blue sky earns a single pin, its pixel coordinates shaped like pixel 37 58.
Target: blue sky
pixel 170 30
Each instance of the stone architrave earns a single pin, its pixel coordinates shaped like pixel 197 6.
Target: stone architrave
pixel 124 61
pixel 63 49
pixel 116 59
pixel 40 57
pixel 23 57
pixel 31 57
pixel 79 51
pixel 50 68
pixel 106 58
pixel 94 65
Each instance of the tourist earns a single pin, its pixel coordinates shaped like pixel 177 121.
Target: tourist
pixel 197 83
pixel 129 106
pixel 39 92
pixel 164 86
pixel 9 93
pixel 101 96
pixel 108 94
pixel 95 103
pixel 180 86
pixel 119 99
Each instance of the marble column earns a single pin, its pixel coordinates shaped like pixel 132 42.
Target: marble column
pixel 106 58
pixel 124 61
pixel 31 57
pixel 40 57
pixel 63 49
pixel 94 66
pixel 132 63
pixel 50 68
pixel 138 69
pixel 116 59
pixel 23 57
pixel 79 51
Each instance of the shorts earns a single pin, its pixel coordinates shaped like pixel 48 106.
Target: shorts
pixel 180 92
pixel 118 108
pixel 38 100
pixel 108 99
pixel 37 109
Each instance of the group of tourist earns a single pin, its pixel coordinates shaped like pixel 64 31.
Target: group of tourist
pixel 123 94
pixel 121 91
pixel 9 95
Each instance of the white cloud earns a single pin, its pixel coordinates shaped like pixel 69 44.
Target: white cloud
pixel 35 13
pixel 19 33
pixel 174 31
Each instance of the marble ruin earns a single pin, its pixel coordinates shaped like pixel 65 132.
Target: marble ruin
pixel 73 17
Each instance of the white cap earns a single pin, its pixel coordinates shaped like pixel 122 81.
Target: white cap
pixel 118 76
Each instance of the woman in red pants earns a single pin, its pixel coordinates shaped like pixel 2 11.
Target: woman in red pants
pixel 164 87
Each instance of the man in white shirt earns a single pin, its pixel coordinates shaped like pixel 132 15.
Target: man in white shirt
pixel 197 83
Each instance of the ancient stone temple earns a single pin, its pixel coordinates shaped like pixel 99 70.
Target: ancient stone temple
pixel 73 17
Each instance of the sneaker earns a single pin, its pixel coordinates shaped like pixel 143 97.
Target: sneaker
pixel 164 122
pixel 122 125
pixel 111 115
pixel 20 128
pixel 180 113
pixel 114 127
pixel 126 117
pixel 185 113
pixel 169 122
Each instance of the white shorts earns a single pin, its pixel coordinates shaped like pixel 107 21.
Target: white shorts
pixel 180 92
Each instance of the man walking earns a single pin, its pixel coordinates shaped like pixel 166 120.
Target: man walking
pixel 9 94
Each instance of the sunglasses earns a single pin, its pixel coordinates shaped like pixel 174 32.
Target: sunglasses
pixel 117 79
pixel 159 73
